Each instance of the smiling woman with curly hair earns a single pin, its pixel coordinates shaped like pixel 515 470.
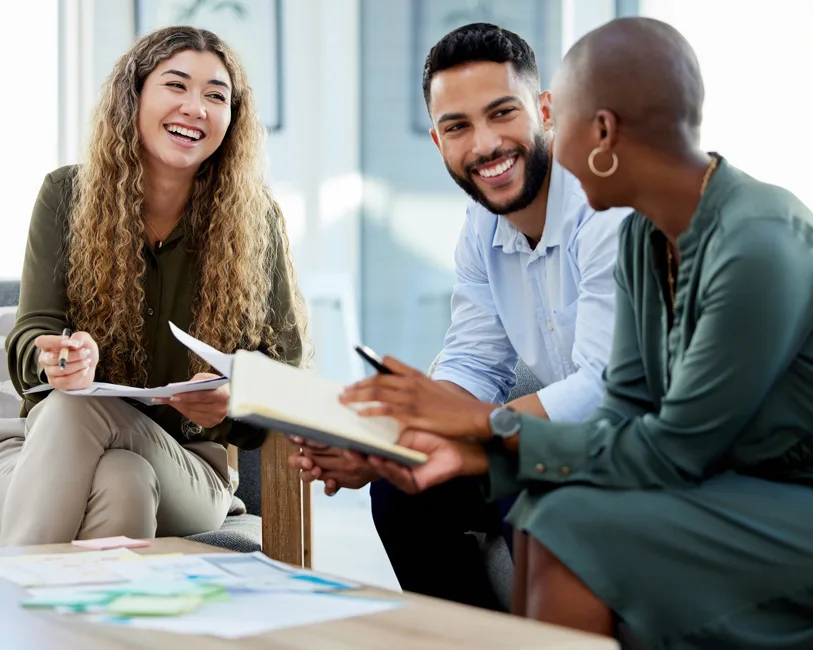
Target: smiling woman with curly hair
pixel 168 220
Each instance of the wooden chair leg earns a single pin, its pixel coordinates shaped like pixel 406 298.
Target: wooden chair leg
pixel 307 525
pixel 286 510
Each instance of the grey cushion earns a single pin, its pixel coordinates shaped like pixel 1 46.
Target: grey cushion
pixel 242 534
pixel 10 401
pixel 9 292
pixel 249 491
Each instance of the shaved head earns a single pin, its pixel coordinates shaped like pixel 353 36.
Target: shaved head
pixel 644 72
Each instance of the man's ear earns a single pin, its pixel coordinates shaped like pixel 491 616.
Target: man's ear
pixel 435 139
pixel 544 109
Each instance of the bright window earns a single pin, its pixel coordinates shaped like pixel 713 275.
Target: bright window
pixel 28 113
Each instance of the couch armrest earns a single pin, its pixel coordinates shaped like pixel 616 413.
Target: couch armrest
pixel 286 505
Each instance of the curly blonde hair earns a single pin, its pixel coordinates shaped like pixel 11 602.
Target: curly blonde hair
pixel 233 223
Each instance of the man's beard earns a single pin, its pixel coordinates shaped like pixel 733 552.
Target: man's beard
pixel 536 168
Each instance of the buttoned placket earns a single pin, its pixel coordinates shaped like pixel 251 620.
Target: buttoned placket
pixel 536 261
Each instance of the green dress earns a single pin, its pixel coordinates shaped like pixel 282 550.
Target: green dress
pixel 686 501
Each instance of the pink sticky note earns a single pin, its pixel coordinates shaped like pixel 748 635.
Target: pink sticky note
pixel 104 543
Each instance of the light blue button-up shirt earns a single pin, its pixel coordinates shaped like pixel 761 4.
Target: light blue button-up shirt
pixel 552 306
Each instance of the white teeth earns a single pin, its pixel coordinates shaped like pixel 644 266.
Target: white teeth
pixel 190 133
pixel 496 171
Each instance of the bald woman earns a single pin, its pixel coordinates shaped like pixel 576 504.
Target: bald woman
pixel 684 507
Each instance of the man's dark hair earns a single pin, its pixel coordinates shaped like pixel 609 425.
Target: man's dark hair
pixel 479 42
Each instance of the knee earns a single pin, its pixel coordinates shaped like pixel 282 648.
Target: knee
pixel 540 561
pixel 125 488
pixel 577 509
pixel 57 412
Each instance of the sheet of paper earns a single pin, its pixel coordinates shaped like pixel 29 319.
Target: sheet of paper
pixel 256 571
pixel 145 395
pixel 154 605
pixel 218 360
pixel 172 567
pixel 252 614
pixel 103 543
pixel 74 599
pixel 91 567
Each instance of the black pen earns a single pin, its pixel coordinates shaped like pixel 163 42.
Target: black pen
pixel 373 359
pixel 63 352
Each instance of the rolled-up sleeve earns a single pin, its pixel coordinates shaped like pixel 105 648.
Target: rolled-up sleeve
pixel 477 354
pixel 574 398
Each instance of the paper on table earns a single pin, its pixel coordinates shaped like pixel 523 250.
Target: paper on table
pixel 257 572
pixel 218 360
pixel 145 395
pixel 155 605
pixel 173 567
pixel 104 543
pixel 92 567
pixel 153 586
pixel 251 614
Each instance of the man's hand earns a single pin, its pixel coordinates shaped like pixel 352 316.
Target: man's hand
pixel 83 357
pixel 206 408
pixel 420 403
pixel 331 466
pixel 447 460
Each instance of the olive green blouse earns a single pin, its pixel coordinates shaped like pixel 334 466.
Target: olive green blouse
pixel 728 387
pixel 170 284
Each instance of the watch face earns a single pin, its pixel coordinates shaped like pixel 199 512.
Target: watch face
pixel 504 422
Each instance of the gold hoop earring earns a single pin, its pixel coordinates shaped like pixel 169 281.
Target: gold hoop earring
pixel 592 164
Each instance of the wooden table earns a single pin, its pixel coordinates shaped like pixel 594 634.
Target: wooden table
pixel 423 623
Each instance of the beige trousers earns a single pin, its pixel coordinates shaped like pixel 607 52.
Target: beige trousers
pixel 97 467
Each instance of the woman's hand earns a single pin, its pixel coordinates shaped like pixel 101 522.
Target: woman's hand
pixel 420 403
pixel 206 408
pixel 83 357
pixel 447 460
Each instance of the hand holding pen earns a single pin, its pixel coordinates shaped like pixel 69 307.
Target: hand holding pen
pixel 68 361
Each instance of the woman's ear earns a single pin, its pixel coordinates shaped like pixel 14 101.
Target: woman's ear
pixel 606 127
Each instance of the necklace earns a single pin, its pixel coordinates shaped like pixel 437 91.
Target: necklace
pixel 670 273
pixel 159 237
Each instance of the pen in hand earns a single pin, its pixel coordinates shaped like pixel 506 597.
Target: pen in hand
pixel 63 352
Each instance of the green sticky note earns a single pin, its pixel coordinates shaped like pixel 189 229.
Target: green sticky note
pixel 157 587
pixel 154 605
pixel 76 600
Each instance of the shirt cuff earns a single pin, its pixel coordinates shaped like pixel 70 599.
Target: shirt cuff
pixel 572 399
pixel 551 453
pixel 482 390
pixel 502 472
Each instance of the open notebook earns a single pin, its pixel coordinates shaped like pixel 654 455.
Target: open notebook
pixel 299 402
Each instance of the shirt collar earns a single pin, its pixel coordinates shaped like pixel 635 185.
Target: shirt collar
pixel 562 183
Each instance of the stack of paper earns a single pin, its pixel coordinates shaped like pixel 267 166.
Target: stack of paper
pixel 230 595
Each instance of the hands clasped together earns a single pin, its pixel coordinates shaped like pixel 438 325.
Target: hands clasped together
pixel 443 423
pixel 205 408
